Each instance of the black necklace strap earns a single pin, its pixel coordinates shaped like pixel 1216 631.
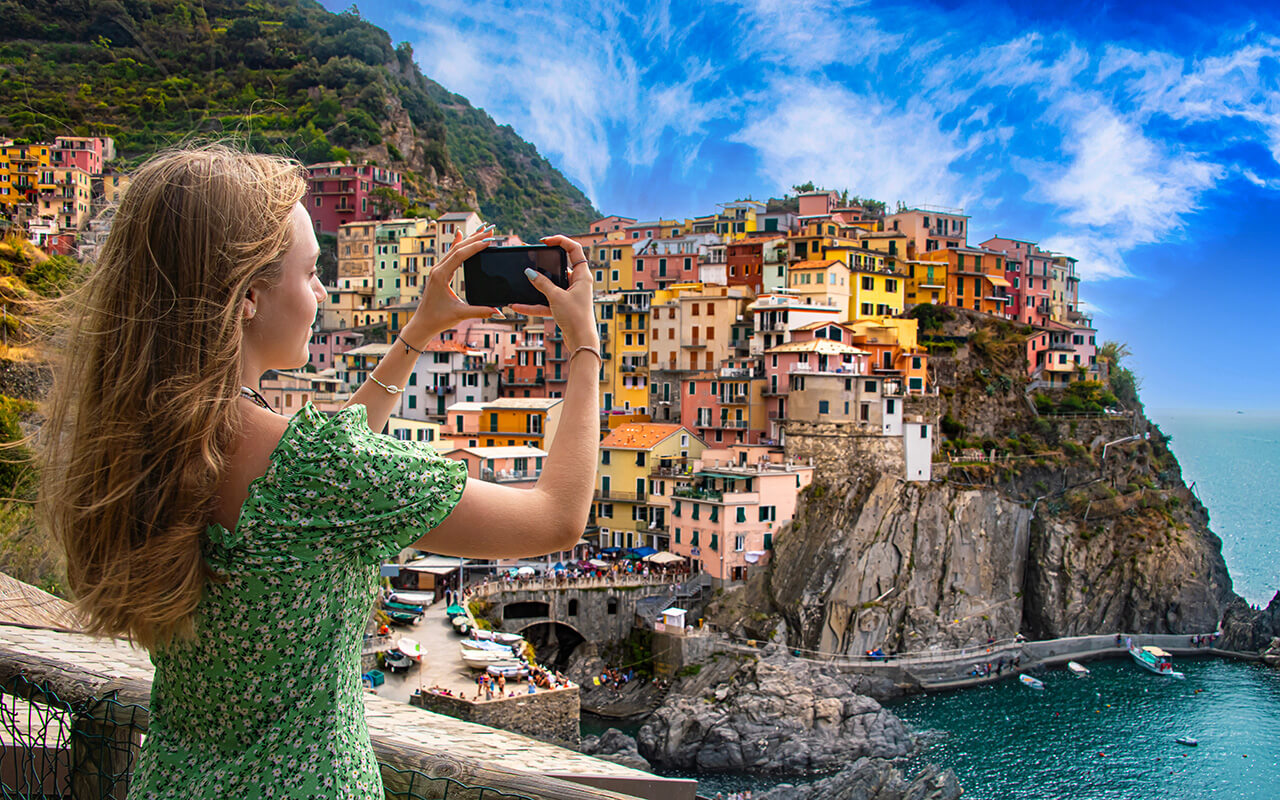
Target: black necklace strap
pixel 250 394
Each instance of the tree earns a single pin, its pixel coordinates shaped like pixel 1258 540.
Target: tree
pixel 807 186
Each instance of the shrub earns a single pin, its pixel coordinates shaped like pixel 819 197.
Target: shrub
pixel 951 427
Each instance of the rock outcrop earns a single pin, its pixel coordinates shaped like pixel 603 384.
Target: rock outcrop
pixel 1086 528
pixel 631 699
pixel 616 746
pixel 776 715
pixel 872 779
pixel 1250 631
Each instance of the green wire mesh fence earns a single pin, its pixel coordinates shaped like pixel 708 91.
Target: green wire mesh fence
pixel 53 748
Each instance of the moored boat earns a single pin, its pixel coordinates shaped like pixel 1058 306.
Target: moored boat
pixel 1153 659
pixel 1187 740
pixel 410 648
pixel 508 669
pixel 481 659
pixel 1077 669
pixel 1030 682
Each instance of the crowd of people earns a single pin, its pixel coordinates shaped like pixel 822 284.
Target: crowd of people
pixel 1000 665
pixel 743 795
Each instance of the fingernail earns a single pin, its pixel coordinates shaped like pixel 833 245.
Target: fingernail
pixel 490 239
pixel 529 273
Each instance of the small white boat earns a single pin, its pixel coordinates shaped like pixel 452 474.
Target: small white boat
pixel 508 669
pixel 461 624
pixel 1030 682
pixel 1153 659
pixel 483 644
pixel 1187 740
pixel 412 598
pixel 1078 669
pixel 409 648
pixel 482 659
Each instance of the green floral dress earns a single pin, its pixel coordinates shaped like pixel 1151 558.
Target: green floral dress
pixel 266 700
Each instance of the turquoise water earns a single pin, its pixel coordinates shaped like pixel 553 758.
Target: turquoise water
pixel 1234 461
pixel 1110 735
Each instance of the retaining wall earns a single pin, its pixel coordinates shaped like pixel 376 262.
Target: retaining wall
pixel 550 715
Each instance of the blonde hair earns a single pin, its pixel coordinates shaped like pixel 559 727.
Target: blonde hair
pixel 143 411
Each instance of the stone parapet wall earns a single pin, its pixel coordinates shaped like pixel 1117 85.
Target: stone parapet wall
pixel 838 449
pixel 550 715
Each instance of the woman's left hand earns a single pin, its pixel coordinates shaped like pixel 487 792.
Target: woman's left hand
pixel 440 307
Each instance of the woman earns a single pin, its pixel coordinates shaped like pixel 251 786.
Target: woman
pixel 238 545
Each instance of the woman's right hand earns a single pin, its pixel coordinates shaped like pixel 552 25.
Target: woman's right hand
pixel 573 308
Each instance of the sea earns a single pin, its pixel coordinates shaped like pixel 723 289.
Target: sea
pixel 1112 735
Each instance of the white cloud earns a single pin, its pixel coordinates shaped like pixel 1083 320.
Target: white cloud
pixel 863 143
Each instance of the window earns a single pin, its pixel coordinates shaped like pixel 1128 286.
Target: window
pixel 739 543
pixel 924 431
pixel 823 407
pixel 742 514
pixel 864 412
pixel 604 457
pixel 573 607
pixel 868 283
pixel 612 607
pixel 715 541
pixel 677 536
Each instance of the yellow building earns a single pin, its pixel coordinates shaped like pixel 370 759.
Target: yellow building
pixel 634 482
pixel 876 289
pixel 927 278
pixel 23 168
pixel 894 349
pixel 624 334
pixel 815 238
pixel 512 421
pixel 113 186
pixel 417 257
pixel 613 264
pixel 738 218
pixel 68 197
pixel 824 283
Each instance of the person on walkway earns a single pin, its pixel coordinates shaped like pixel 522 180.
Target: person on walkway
pixel 239 545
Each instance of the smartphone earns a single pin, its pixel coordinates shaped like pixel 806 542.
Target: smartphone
pixel 495 276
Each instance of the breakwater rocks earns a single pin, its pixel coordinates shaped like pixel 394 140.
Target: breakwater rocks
pixel 1250 631
pixel 872 779
pixel 776 714
pixel 616 746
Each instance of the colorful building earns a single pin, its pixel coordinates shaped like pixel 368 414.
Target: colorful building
pixel 661 263
pixel 975 278
pixel 340 193
pixel 518 466
pixel 725 518
pixel 629 479
pixel 774 316
pixel 930 228
pixel 822 283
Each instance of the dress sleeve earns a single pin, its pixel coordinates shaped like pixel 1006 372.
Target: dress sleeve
pixel 369 493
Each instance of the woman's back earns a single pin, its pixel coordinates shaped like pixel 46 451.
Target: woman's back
pixel 267 693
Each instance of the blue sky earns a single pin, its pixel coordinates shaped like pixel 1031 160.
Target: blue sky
pixel 1142 139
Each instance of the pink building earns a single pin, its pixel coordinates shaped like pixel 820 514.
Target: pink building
pixel 516 466
pixel 660 263
pixel 327 346
pixel 717 406
pixel 1027 268
pixel 725 518
pixel 338 193
pixel 816 205
pixel 89 153
pixel 930 228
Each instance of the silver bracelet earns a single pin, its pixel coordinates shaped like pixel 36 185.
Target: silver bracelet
pixel 392 389
pixel 586 347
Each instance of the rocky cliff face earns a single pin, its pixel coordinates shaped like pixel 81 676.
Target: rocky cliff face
pixel 1075 533
pixel 773 715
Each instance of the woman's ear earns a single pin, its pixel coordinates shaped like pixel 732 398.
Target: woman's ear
pixel 249 304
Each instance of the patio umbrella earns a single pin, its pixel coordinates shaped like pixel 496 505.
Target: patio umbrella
pixel 644 551
pixel 595 562
pixel 664 558
pixel 558 567
pixel 525 571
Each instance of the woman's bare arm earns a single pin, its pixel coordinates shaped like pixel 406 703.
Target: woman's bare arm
pixel 495 521
pixel 500 521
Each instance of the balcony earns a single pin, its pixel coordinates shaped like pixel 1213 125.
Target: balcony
pixel 694 493
pixel 447 388
pixel 694 345
pixel 620 496
pixel 735 399
pixel 738 372
pixel 509 475
pixel 633 308
pixel 525 381
pixel 672 468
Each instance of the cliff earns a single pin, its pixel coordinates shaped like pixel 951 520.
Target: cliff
pixel 1053 538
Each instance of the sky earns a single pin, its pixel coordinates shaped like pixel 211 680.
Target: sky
pixel 1143 139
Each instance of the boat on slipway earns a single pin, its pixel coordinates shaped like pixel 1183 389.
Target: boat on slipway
pixel 1153 659
pixel 1030 682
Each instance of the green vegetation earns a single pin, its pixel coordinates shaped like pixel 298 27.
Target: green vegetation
pixel 1081 397
pixel 1124 383
pixel 930 316
pixel 284 76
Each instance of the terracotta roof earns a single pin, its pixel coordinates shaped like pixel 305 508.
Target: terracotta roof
pixel 818 264
pixel 820 324
pixel 639 435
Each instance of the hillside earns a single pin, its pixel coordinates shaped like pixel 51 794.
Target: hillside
pixel 1053 539
pixel 285 75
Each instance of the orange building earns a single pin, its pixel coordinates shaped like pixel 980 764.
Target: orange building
pixel 975 278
